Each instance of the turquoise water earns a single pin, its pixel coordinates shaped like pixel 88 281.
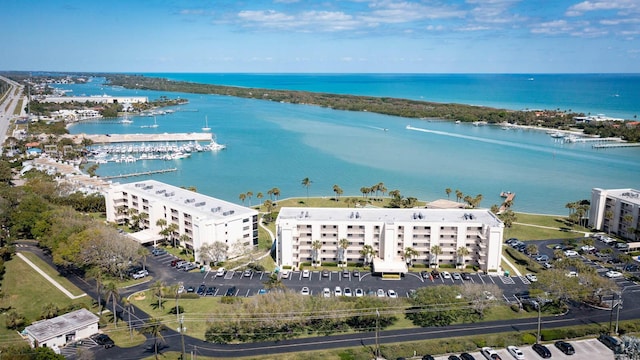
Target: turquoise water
pixel 277 145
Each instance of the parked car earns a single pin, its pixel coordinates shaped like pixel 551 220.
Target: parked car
pixel 325 273
pixel 612 342
pixel 211 291
pixel 588 248
pixel 140 274
pixel 285 274
pixel 380 293
pixel 531 277
pixel 305 291
pixel 190 266
pixel 541 350
pixel 202 289
pixel 453 357
pixel 326 292
pixel 337 291
pixel 456 276
pixel 489 353
pixel 103 340
pixel 565 347
pixel 428 357
pixel 221 271
pixel 542 258
pixel 466 356
pixel 445 275
pixel 347 292
pixel 191 289
pixel 435 274
pixel 247 273
pixel 424 274
pixel 570 253
pixel 359 292
pixel 345 273
pixel 465 276
pixel 180 264
pixel 613 274
pixel 511 241
pixel 158 251
pixel 231 291
pixel 515 352
pixel 622 246
pixel 392 294
pixel 356 273
pixel 174 262
pixel 306 273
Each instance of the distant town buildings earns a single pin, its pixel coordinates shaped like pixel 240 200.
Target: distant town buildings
pixel 197 219
pixel 95 99
pixel 314 235
pixel 615 212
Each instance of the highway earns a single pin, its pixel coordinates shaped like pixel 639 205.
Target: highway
pixel 8 104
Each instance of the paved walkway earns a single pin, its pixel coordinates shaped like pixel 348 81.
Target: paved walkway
pixel 49 278
pixel 263 255
pixel 513 267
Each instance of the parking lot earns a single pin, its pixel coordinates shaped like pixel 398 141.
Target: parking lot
pixel 591 349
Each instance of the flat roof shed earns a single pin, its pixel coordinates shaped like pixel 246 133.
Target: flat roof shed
pixel 63 329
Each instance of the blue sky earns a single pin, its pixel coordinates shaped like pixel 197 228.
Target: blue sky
pixel 335 36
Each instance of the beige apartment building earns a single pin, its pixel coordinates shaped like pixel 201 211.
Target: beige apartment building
pixel 615 211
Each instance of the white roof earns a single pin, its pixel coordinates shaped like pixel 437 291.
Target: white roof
pixel 146 236
pixel 628 195
pixel 51 328
pixel 389 266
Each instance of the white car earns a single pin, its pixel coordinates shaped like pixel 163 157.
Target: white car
pixel 359 292
pixel 445 275
pixel 392 294
pixel 337 291
pixel 531 277
pixel 380 293
pixel 285 274
pixel 305 291
pixel 347 292
pixel 489 353
pixel 587 248
pixel 570 253
pixel 572 274
pixel 326 292
pixel 221 271
pixel 140 274
pixel 613 274
pixel 515 352
pixel 306 273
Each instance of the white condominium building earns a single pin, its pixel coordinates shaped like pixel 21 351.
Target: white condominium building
pixel 203 219
pixel 615 212
pixel 306 235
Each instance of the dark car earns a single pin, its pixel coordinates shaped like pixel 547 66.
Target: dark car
pixel 428 357
pixel 231 291
pixel 453 357
pixel 466 356
pixel 542 350
pixel 174 262
pixel 565 347
pixel 210 291
pixel 435 274
pixel 424 274
pixel 158 251
pixel 191 289
pixel 201 290
pixel 465 276
pixel 103 340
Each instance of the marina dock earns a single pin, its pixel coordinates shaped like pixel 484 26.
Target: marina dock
pixel 142 173
pixel 141 138
pixel 508 199
pixel 614 145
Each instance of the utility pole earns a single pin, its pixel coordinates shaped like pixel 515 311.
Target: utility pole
pixel 619 305
pixel 377 334
pixel 539 313
pixel 182 335
pixel 611 313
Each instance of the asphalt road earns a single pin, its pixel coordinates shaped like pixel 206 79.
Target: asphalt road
pixel 160 269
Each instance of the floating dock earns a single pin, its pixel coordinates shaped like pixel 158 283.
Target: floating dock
pixel 615 145
pixel 143 173
pixel 140 138
pixel 508 198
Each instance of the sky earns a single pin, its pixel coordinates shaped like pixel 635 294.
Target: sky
pixel 325 36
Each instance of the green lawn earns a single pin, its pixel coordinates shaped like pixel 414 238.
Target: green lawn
pixel 53 273
pixel 26 291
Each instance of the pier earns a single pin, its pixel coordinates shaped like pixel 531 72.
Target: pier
pixel 575 139
pixel 140 138
pixel 614 145
pixel 508 199
pixel 142 173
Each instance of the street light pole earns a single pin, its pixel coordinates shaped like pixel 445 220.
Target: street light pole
pixel 619 305
pixel 611 313
pixel 539 316
pixel 182 335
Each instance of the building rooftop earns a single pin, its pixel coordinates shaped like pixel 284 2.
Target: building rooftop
pixel 201 205
pixel 629 195
pixel 482 216
pixel 47 329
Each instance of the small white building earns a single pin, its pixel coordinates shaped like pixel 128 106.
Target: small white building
pixel 203 219
pixel 615 211
pixel 61 330
pixel 389 232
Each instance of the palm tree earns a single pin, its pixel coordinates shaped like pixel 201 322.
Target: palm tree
pixel 171 230
pixel 508 218
pixel 315 252
pixel 142 218
pixel 364 190
pixel 343 244
pixel 249 196
pixel 462 253
pixel 608 215
pixel 143 252
pixel 158 291
pixel 448 191
pixel 306 182
pixel 154 328
pixel 338 191
pixel 268 206
pixel 459 195
pixel 531 249
pixel 184 239
pixel 270 193
pixel 259 196
pixel 126 302
pixel 112 293
pixel 382 188
pixel 409 254
pixel 495 208
pixel 368 253
pixel 242 197
pixel 162 223
pixel 96 273
pixel 436 251
pixel 276 193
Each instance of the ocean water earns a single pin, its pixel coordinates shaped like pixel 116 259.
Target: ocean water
pixel 277 145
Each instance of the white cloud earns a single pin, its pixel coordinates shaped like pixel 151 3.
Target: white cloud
pixel 552 27
pixel 586 6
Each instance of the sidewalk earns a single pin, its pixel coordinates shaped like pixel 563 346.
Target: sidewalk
pixel 49 278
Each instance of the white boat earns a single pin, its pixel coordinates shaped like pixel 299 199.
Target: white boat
pixel 155 124
pixel 557 135
pixel 206 124
pixel 126 120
